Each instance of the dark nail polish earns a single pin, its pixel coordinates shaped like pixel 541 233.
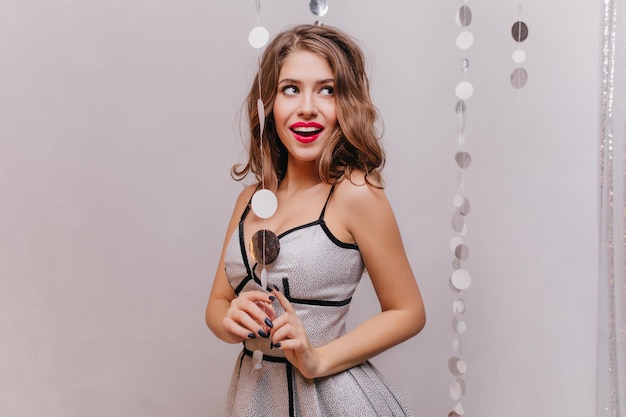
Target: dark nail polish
pixel 269 323
pixel 277 345
pixel 251 335
pixel 271 345
pixel 272 298
pixel 263 334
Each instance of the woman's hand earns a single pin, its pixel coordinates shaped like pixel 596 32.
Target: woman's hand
pixel 250 315
pixel 290 336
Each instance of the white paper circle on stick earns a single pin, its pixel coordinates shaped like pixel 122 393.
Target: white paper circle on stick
pixel 264 203
pixel 264 278
pixel 452 287
pixel 461 279
pixel 455 391
pixel 258 37
pixel 458 307
pixel 465 40
pixel 464 90
pixel 519 56
pixel 456 366
pixel 458 325
pixel 461 383
pixel 460 365
pixel 454 242
pixel 456 344
pixel 261 110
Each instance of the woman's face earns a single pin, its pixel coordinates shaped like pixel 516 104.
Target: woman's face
pixel 304 108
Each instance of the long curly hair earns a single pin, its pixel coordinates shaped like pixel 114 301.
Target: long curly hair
pixel 353 145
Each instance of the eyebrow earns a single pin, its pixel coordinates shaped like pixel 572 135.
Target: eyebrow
pixel 293 81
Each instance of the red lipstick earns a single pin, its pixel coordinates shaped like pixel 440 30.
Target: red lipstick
pixel 306 132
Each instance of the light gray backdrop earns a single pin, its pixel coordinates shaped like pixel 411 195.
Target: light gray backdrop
pixel 118 126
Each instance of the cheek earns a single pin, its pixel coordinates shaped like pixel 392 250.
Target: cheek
pixel 280 113
pixel 331 114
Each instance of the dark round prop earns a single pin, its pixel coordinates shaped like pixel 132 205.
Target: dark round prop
pixel 264 246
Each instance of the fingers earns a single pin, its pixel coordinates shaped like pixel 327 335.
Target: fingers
pixel 250 315
pixel 288 332
pixel 284 302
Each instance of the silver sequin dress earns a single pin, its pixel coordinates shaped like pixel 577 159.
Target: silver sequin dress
pixel 318 274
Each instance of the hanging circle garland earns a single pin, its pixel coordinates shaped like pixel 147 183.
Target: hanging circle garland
pixel 460 279
pixel 318 7
pixel 264 244
pixel 519 32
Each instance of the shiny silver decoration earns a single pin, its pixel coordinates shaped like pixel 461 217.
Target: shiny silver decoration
pixel 464 16
pixel 461 382
pixel 460 107
pixel 458 221
pixel 456 344
pixel 458 306
pixel 454 242
pixel 462 204
pixel 264 277
pixel 457 390
pixel 462 252
pixel 459 325
pixel 264 246
pixel 461 279
pixel 463 159
pixel 318 7
pixel 261 111
pixel 519 31
pixel 456 264
pixel 519 78
pixel 611 346
pixel 257 359
pixel 451 286
pixel 456 366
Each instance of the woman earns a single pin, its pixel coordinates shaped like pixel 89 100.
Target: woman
pixel 322 159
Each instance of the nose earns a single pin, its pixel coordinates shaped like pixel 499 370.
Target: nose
pixel 307 107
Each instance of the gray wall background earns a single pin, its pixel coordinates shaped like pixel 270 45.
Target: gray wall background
pixel 118 126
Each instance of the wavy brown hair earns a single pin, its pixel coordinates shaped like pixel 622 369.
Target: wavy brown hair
pixel 353 145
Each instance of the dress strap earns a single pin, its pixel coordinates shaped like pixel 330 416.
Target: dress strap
pixel 326 203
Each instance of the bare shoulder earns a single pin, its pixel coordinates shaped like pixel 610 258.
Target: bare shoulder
pixel 243 199
pixel 246 194
pixel 356 194
pixel 363 207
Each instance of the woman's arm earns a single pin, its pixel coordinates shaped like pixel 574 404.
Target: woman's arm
pixel 370 220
